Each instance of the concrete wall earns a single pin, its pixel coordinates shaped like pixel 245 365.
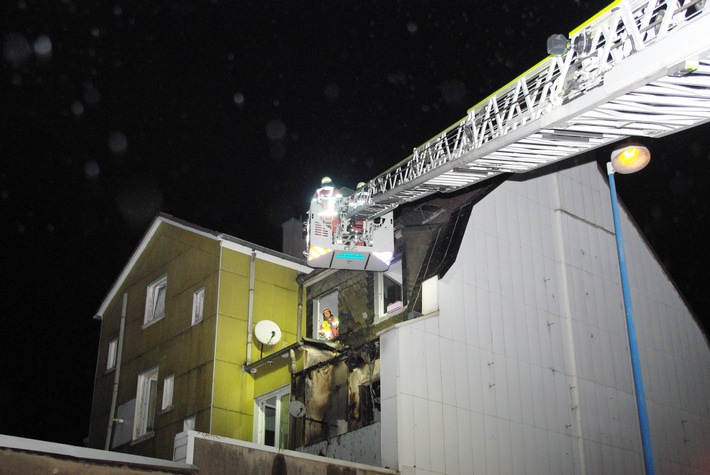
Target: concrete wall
pixel 20 456
pixel 525 369
pixel 217 455
pixel 361 446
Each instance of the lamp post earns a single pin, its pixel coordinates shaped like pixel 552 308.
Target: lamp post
pixel 630 159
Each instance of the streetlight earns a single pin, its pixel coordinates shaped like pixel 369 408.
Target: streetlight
pixel 630 159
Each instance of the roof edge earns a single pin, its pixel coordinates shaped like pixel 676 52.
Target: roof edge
pixel 276 257
pixel 232 242
pixel 142 244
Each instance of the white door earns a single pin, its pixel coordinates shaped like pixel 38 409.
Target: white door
pixel 271 418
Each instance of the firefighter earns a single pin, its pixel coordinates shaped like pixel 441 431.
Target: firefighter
pixel 329 327
pixel 328 196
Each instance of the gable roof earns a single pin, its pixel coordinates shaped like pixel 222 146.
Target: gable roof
pixel 225 240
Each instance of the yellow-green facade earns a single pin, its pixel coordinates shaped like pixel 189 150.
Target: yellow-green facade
pixel 275 299
pixel 207 359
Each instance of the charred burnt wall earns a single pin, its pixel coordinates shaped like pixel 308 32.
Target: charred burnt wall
pixel 340 395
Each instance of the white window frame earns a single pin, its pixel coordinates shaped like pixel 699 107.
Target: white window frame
pixel 328 300
pixel 146 394
pixel 260 407
pixel 112 354
pixel 155 292
pixel 168 390
pixel 198 305
pixel 395 274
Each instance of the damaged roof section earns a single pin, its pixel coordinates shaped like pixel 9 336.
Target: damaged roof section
pixel 429 234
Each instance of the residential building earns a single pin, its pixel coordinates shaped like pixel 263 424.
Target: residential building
pixel 176 337
pixel 495 343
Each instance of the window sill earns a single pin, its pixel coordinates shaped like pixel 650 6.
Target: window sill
pixel 143 437
pixel 157 319
pixel 387 316
pixel 166 410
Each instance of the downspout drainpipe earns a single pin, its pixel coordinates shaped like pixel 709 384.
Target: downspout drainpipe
pixel 250 317
pixel 292 355
pixel 299 312
pixel 117 373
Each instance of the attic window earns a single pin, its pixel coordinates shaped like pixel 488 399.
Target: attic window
pixel 155 300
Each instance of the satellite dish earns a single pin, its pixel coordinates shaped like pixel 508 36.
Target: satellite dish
pixel 267 332
pixel 297 408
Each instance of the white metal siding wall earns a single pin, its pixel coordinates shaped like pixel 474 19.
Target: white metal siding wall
pixel 595 312
pixel 526 368
pixel 674 353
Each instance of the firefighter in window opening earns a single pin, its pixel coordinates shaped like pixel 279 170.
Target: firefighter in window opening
pixel 328 329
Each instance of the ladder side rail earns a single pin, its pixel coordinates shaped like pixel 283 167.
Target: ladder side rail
pixel 628 27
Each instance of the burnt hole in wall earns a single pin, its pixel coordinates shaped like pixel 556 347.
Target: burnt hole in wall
pixel 362 355
pixel 369 403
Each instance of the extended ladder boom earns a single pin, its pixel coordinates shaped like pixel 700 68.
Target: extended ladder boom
pixel 637 68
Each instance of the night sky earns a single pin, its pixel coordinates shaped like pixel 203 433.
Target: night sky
pixel 227 114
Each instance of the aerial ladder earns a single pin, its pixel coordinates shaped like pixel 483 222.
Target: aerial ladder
pixel 638 68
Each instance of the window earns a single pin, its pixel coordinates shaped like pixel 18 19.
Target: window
pixel 329 330
pixel 155 300
pixel 145 403
pixel 112 352
pixel 389 291
pixel 271 418
pixel 198 305
pixel 168 387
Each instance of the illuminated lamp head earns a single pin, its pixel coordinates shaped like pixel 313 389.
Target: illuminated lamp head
pixel 630 158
